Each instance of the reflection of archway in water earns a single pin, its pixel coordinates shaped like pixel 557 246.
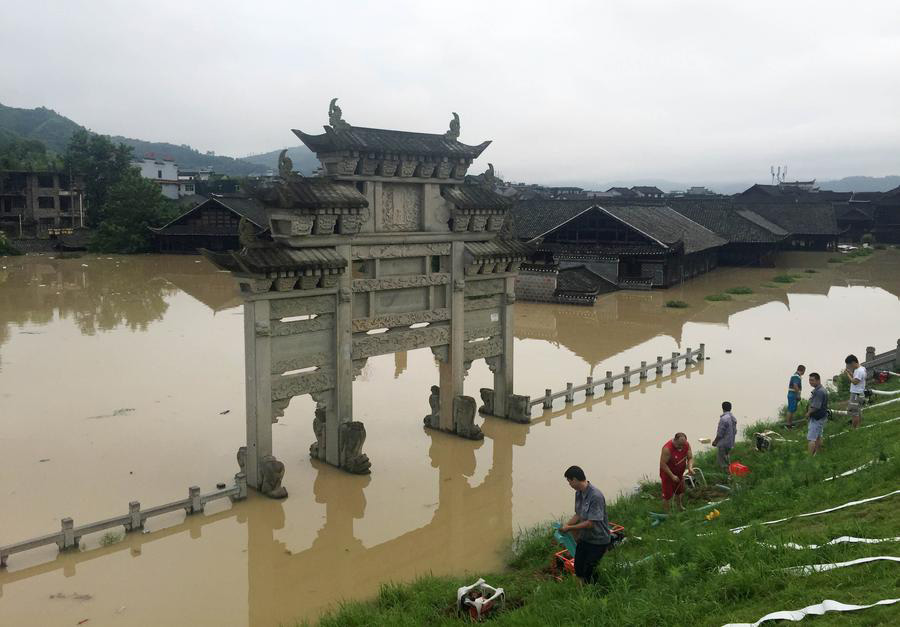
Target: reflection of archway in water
pixel 468 531
pixel 469 528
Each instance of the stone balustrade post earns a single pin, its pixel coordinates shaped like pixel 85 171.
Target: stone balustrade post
pixel 134 516
pixel 570 395
pixel 626 376
pixel 240 480
pixel 702 351
pixel 688 356
pixel 674 362
pixel 870 353
pixel 548 402
pixel 589 390
pixel 643 374
pixel 608 385
pixel 67 539
pixel 195 506
pixel 659 365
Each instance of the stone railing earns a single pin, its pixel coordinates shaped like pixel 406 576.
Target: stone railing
pixel 689 356
pixel 888 359
pixel 69 536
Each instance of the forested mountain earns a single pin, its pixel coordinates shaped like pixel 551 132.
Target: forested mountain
pixel 54 131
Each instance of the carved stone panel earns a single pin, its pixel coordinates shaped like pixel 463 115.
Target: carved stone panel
pixel 365 346
pixel 485 348
pixel 390 251
pixel 325 224
pixel 322 321
pixel 300 384
pixel 485 287
pixel 350 224
pixel 286 307
pixel 401 207
pixel 400 282
pixel 300 361
pixel 477 222
pixel 487 302
pixel 485 331
pixel 400 320
pixel 302 225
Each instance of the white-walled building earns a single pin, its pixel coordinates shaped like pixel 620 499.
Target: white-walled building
pixel 164 171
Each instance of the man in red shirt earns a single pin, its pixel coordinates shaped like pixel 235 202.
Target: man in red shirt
pixel 676 458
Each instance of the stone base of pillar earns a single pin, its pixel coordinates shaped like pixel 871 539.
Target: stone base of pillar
pixel 463 418
pixel 271 472
pixel 518 406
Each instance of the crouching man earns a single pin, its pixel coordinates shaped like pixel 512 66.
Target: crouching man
pixel 589 526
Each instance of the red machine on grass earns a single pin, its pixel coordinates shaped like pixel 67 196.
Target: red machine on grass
pixel 564 561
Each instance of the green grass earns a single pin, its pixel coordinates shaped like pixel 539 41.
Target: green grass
pixel 835 260
pixel 783 278
pixel 860 252
pixel 676 304
pixel 770 284
pixel 810 271
pixel 649 582
pixel 111 537
pixel 718 297
pixel 739 290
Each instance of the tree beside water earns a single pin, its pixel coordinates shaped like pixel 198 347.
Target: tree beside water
pixel 121 204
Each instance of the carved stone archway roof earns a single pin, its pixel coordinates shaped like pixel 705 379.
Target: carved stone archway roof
pixel 266 261
pixel 316 193
pixel 475 197
pixel 499 249
pixel 383 141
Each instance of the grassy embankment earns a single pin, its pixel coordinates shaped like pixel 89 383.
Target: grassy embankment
pixel 669 574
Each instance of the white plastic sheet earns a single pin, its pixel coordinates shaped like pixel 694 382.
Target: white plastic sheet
pixel 813 610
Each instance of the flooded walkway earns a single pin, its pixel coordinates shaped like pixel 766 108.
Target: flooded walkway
pixel 121 378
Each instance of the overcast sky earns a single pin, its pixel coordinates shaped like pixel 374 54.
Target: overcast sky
pixel 692 91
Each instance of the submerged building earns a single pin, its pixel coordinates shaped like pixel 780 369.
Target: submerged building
pixel 584 248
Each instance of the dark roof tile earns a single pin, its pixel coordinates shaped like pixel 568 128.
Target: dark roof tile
pixel 475 197
pixel 381 141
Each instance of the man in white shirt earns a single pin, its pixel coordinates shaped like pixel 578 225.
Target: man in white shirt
pixel 857 376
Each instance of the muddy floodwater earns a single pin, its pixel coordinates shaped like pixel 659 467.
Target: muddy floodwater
pixel 122 378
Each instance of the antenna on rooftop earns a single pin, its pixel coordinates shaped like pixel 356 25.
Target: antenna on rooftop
pixel 784 174
pixel 778 176
pixel 772 171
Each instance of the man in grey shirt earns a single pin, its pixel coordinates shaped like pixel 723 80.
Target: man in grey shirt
pixel 816 413
pixel 589 524
pixel 725 435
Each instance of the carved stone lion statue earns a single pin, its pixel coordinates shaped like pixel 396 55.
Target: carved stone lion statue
pixel 464 418
pixel 433 419
pixel 487 397
pixel 317 448
pixel 272 472
pixel 352 437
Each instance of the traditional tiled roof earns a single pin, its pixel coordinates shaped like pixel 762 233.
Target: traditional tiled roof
pixel 475 197
pixel 647 189
pixel 854 211
pixel 322 193
pixel 622 191
pixel 735 225
pixel 383 141
pixel 805 219
pixel 273 259
pixel 243 206
pixel 537 216
pixel 581 280
pixel 667 226
pixel 499 248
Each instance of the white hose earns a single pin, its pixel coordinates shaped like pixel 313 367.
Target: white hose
pixel 841 540
pixel 824 511
pixel 821 568
pixel 885 392
pixel 812 610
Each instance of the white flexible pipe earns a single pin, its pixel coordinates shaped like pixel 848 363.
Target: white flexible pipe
pixel 812 610
pixel 885 392
pixel 821 568
pixel 824 511
pixel 841 540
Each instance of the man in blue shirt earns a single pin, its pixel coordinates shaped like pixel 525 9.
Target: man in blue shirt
pixel 589 524
pixel 795 385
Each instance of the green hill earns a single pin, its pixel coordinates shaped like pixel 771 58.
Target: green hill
pixel 42 124
pixel 54 131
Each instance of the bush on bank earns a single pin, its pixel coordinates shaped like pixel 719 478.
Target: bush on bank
pixel 669 574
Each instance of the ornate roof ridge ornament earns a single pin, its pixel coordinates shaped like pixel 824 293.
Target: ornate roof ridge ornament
pixel 285 166
pixel 334 116
pixel 453 133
